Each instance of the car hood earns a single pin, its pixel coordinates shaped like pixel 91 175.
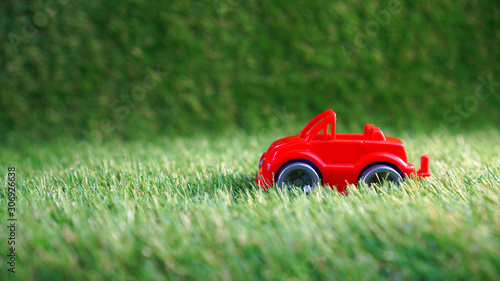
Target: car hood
pixel 285 141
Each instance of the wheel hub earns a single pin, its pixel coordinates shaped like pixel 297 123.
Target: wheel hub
pixel 298 182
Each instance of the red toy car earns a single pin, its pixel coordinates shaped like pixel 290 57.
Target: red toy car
pixel 320 156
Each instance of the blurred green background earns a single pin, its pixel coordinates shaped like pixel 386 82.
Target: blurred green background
pixel 133 68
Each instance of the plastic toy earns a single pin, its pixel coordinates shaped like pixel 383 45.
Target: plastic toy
pixel 321 156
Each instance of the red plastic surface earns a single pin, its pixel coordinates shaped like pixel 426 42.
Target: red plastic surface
pixel 339 158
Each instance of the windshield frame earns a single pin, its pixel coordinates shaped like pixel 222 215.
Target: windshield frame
pixel 318 123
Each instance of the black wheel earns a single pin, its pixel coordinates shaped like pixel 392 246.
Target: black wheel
pixel 378 174
pixel 299 175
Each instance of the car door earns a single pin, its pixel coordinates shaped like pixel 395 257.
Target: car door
pixel 337 152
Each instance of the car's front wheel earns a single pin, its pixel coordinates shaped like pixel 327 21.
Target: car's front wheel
pixel 298 174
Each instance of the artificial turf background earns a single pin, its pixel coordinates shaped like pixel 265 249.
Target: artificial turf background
pixel 135 69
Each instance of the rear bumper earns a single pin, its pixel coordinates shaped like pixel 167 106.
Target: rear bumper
pixel 424 167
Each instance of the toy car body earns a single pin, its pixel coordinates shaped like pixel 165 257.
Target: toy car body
pixel 321 156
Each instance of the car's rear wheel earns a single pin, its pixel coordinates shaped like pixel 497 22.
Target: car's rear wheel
pixel 300 175
pixel 378 174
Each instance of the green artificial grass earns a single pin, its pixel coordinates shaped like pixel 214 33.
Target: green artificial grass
pixel 186 208
pixel 131 67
